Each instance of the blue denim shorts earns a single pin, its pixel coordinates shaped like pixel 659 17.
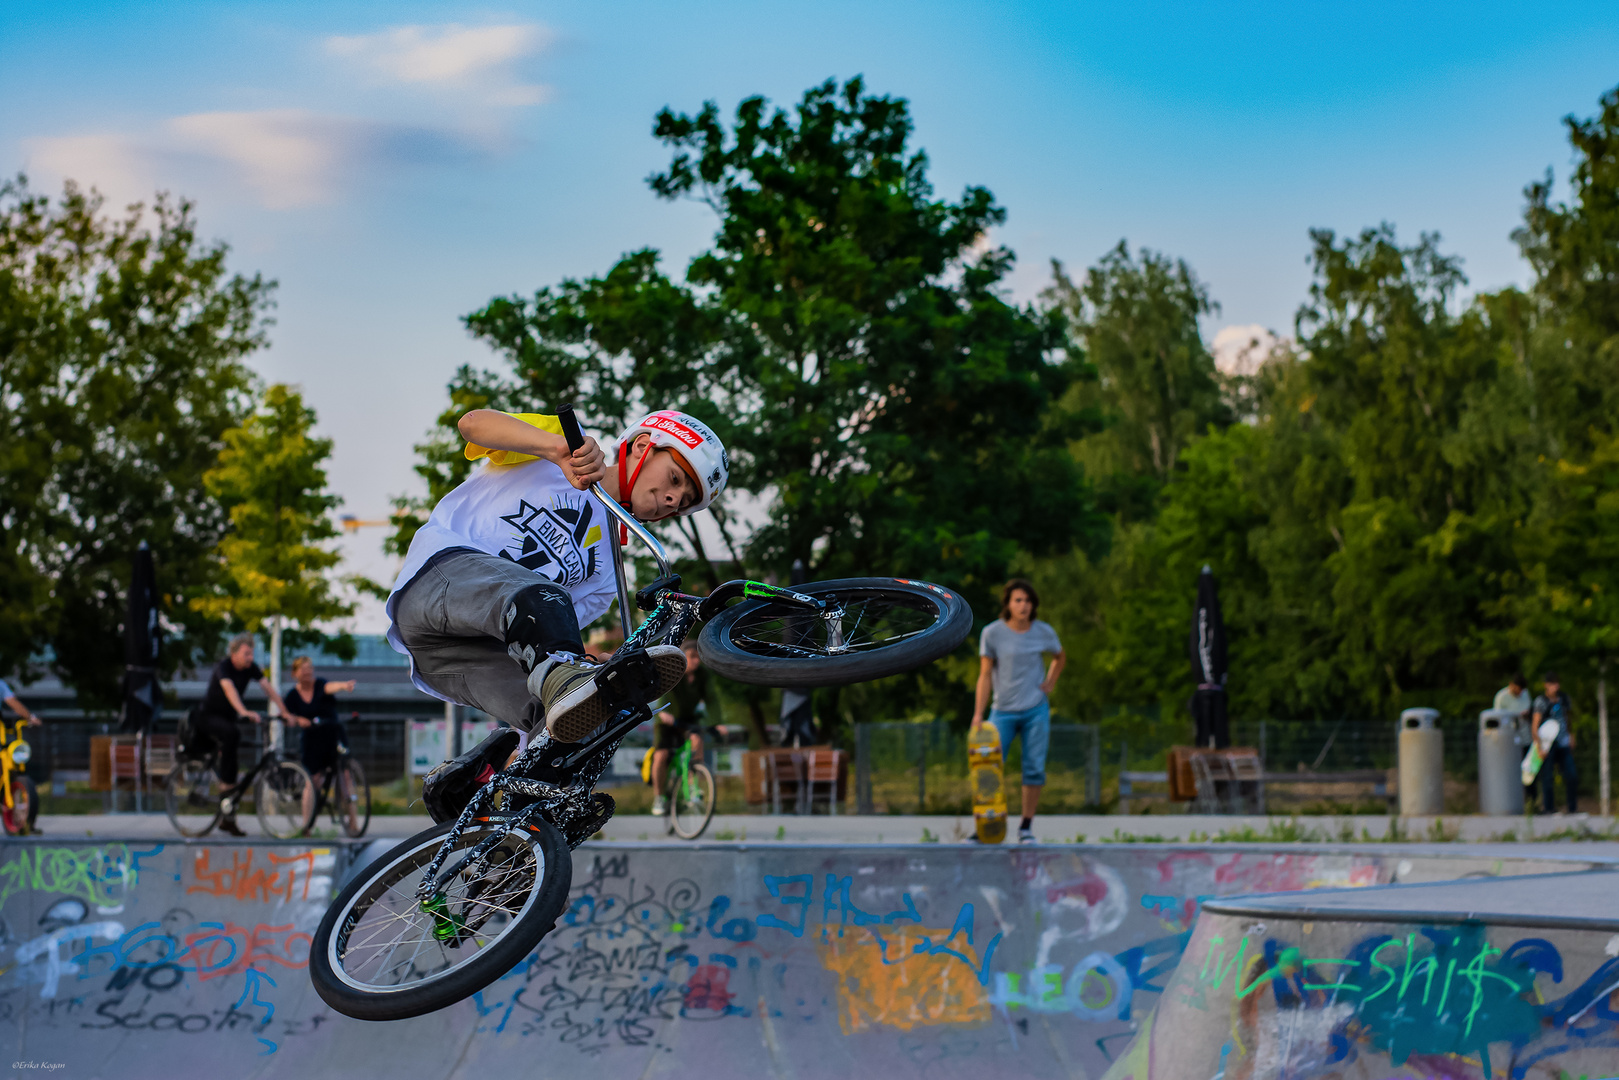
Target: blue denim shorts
pixel 1035 727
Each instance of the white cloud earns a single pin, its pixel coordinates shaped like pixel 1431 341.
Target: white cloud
pixel 1240 350
pixel 287 158
pixel 476 59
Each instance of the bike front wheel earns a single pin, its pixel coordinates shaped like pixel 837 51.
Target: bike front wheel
pixel 691 806
pixel 873 628
pixel 382 954
pixel 193 794
pixel 351 801
pixel 285 797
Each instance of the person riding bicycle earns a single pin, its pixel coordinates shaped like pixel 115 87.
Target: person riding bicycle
pixel 222 707
pixel 312 707
pixel 680 719
pixel 499 579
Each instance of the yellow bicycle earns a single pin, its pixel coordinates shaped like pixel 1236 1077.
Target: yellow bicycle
pixel 21 798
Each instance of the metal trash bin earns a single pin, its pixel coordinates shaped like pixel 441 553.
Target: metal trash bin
pixel 1500 787
pixel 1422 763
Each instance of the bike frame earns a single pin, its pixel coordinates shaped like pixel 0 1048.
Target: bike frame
pixel 560 777
pixel 7 765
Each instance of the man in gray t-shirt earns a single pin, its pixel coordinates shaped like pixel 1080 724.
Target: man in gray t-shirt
pixel 1012 668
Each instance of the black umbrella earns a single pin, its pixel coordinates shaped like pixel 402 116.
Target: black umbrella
pixel 1206 646
pixel 142 698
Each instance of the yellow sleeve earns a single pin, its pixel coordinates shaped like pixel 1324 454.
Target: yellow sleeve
pixel 512 457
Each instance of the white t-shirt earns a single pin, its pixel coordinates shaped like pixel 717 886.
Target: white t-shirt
pixel 524 509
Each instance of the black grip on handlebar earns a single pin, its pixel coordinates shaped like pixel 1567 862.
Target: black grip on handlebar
pixel 570 427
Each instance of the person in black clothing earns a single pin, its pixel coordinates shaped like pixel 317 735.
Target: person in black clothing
pixel 1553 704
pixel 222 707
pixel 680 718
pixel 311 706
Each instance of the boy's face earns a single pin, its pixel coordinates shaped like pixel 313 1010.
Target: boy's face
pixel 1019 605
pixel 663 488
pixel 1552 686
pixel 242 656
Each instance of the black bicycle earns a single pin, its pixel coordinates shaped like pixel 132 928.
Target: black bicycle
pixel 342 790
pixel 454 908
pixel 197 799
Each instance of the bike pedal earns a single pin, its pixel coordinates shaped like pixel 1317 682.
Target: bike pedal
pixel 627 681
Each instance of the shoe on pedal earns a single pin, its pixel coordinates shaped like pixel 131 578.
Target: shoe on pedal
pixel 450 786
pixel 572 701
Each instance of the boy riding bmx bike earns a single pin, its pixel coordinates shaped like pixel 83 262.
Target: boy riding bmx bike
pixel 511 563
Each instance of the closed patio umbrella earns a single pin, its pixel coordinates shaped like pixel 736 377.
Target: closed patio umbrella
pixel 1206 647
pixel 142 698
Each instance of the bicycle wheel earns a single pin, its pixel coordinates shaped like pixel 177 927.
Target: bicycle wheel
pixel 193 793
pixel 285 797
pixel 380 954
pixel 879 627
pixel 19 820
pixel 351 798
pixel 691 806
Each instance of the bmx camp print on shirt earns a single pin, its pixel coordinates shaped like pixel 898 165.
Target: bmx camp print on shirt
pixel 557 542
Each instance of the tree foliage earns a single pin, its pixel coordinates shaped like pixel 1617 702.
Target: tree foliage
pixel 271 477
pixel 122 343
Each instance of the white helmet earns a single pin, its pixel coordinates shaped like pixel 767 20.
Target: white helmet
pixel 692 441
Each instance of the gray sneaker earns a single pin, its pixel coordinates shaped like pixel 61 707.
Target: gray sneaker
pixel 567 691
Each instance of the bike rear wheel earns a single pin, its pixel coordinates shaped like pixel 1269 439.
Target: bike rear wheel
pixel 351 798
pixel 285 798
pixel 193 794
pixel 877 627
pixel 691 804
pixel 380 954
pixel 19 819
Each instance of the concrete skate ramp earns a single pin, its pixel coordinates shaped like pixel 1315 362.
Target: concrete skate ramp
pixel 149 959
pixel 1472 979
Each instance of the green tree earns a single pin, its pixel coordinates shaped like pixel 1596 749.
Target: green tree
pixel 122 344
pixel 1136 319
pixel 277 556
pixel 877 381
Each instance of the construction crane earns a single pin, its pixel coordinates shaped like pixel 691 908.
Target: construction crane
pixel 350 523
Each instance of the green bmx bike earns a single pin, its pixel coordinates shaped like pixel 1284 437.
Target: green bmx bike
pixel 457 906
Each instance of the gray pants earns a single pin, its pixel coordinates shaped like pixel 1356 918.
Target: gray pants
pixel 450 620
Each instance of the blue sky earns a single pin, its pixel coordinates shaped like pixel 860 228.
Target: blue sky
pixel 395 165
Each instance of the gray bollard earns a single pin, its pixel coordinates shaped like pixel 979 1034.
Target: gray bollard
pixel 1500 788
pixel 1422 763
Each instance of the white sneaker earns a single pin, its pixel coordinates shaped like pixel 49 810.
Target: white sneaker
pixel 1025 836
pixel 660 805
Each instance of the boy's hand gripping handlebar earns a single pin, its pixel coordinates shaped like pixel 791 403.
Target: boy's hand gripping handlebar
pixel 576 439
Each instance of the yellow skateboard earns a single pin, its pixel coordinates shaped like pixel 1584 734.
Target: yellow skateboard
pixel 984 774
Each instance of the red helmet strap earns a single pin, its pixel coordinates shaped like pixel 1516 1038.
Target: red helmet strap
pixel 626 481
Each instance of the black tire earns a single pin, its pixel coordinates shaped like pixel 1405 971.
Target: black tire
pixel 24 806
pixel 770 643
pixel 689 816
pixel 351 808
pixel 544 884
pixel 193 791
pixel 284 796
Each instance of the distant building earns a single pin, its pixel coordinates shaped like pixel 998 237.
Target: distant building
pixel 383 698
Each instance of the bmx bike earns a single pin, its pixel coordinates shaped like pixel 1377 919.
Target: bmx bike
pixel 457 906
